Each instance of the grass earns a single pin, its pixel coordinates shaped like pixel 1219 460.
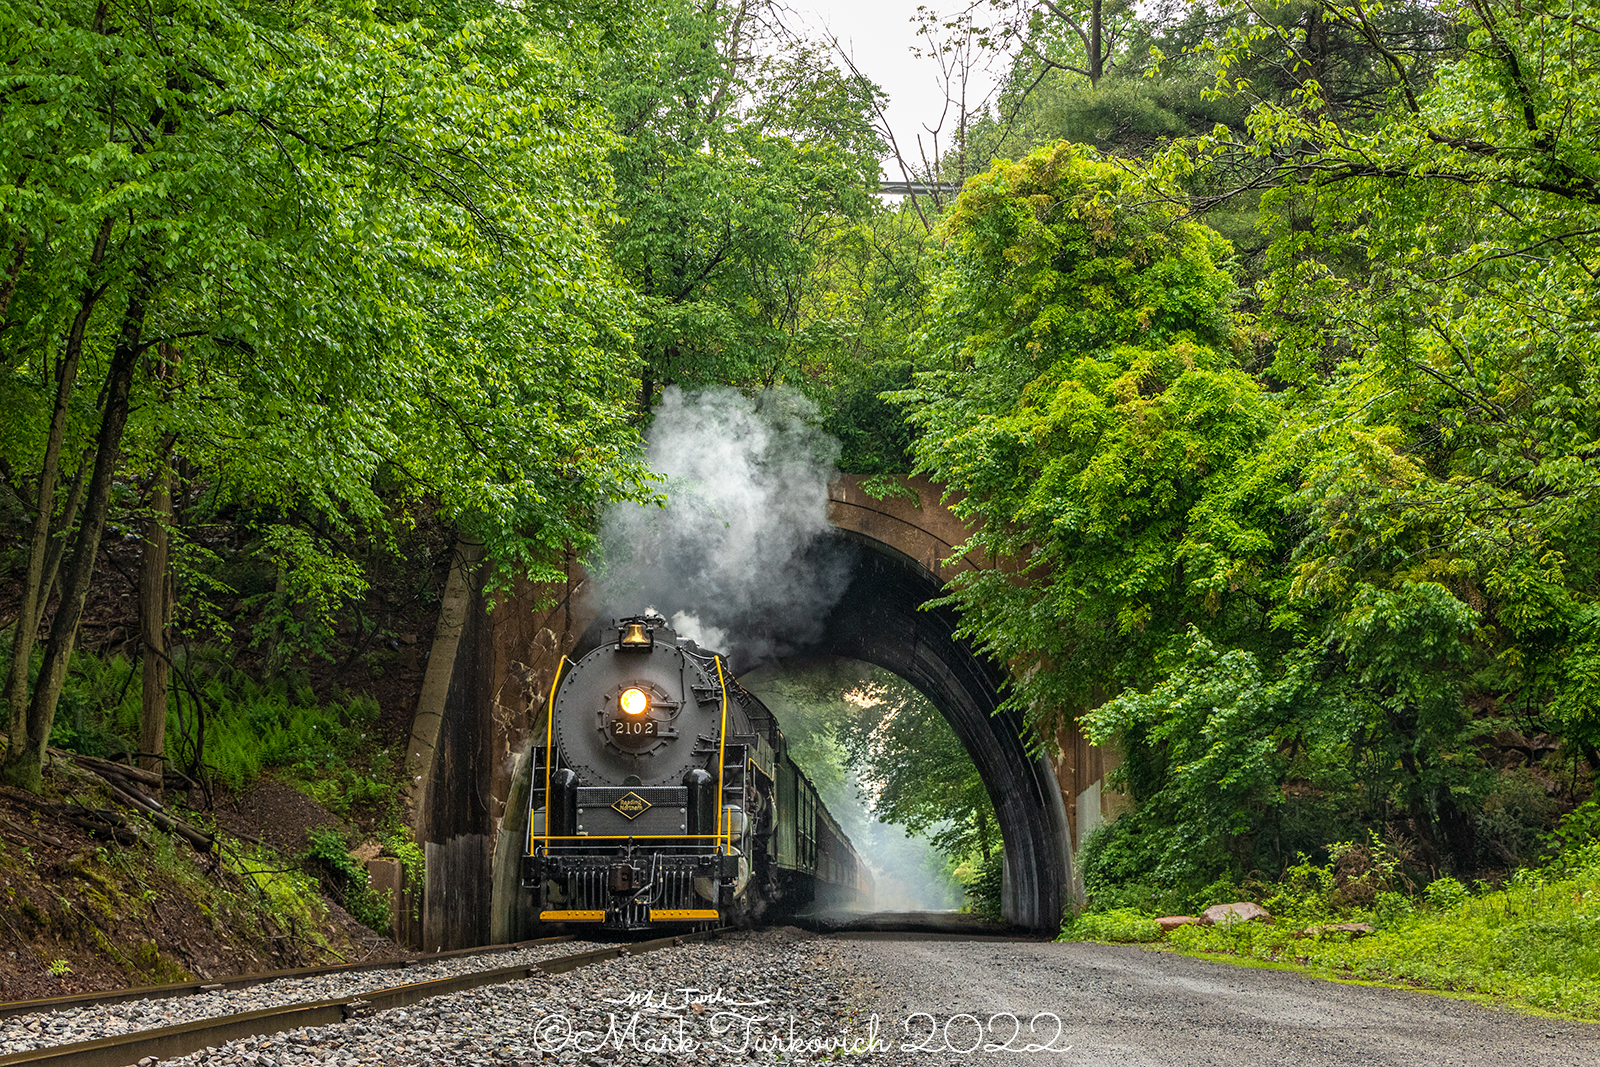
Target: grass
pixel 1535 942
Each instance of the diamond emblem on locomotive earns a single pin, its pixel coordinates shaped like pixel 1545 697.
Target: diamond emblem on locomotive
pixel 632 805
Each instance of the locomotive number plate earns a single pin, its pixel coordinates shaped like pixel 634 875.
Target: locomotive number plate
pixel 624 728
pixel 632 805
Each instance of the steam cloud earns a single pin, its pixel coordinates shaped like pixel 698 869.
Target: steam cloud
pixel 733 560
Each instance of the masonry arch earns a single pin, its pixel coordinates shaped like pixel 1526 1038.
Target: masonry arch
pixel 880 620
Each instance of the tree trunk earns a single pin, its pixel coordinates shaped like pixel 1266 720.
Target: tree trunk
pixel 1097 66
pixel 16 689
pixel 647 390
pixel 155 610
pixel 63 534
pixel 1317 49
pixel 25 755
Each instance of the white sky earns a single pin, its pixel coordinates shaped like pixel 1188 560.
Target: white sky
pixel 879 35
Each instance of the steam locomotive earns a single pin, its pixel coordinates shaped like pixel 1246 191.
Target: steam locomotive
pixel 664 794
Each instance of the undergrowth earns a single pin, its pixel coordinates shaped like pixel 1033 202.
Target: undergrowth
pixel 1118 925
pixel 1534 940
pixel 243 889
pixel 229 728
pixel 232 727
pixel 258 890
pixel 983 885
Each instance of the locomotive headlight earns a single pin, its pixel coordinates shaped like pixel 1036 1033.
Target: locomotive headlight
pixel 634 701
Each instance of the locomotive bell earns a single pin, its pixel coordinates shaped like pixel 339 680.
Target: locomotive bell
pixel 635 636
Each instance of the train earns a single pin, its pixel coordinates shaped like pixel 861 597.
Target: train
pixel 663 796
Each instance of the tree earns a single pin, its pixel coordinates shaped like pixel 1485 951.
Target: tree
pixel 1429 293
pixel 863 731
pixel 1080 399
pixel 1425 323
pixel 740 150
pixel 922 779
pixel 1084 39
pixel 377 245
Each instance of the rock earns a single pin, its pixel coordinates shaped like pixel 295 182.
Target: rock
pixel 1169 923
pixel 1241 912
pixel 1355 930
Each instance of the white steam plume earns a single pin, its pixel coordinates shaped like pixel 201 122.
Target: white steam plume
pixel 733 559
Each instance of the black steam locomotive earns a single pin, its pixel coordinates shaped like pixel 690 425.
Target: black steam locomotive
pixel 664 794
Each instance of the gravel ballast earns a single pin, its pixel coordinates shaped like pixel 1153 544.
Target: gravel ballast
pixel 774 996
pixel 24 1033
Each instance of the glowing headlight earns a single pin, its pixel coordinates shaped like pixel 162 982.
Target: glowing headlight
pixel 634 701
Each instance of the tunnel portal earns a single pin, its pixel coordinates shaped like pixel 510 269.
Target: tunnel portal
pixel 880 620
pixel 482 703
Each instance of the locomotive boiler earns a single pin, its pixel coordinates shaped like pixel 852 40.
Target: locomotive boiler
pixel 663 794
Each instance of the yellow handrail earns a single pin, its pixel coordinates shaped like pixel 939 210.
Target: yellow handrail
pixel 722 746
pixel 549 747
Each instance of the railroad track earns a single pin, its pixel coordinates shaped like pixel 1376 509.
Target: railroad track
pixel 167 1042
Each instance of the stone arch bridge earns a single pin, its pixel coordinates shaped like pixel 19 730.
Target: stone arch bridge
pixel 488 673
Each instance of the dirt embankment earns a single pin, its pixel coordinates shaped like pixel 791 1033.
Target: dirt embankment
pixel 88 903
pixel 93 896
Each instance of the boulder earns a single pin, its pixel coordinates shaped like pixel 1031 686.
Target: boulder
pixel 1355 930
pixel 1241 912
pixel 1169 923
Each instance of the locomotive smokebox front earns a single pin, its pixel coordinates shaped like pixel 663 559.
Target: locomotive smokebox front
pixel 635 710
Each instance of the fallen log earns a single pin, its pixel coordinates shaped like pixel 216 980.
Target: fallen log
pixel 151 809
pixel 38 835
pixel 96 821
pixel 101 828
pixel 105 767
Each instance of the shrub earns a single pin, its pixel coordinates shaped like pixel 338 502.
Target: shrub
pixel 1120 925
pixel 1365 871
pixel 984 889
pixel 346 879
pixel 1445 893
pixel 1574 846
pixel 1535 941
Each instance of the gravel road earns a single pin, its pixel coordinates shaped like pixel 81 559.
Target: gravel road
pixel 1129 1007
pixel 783 996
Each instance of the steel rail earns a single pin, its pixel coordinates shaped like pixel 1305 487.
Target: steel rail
pixel 184 1039
pixel 244 981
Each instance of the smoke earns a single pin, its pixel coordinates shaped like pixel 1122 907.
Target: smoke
pixel 733 560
